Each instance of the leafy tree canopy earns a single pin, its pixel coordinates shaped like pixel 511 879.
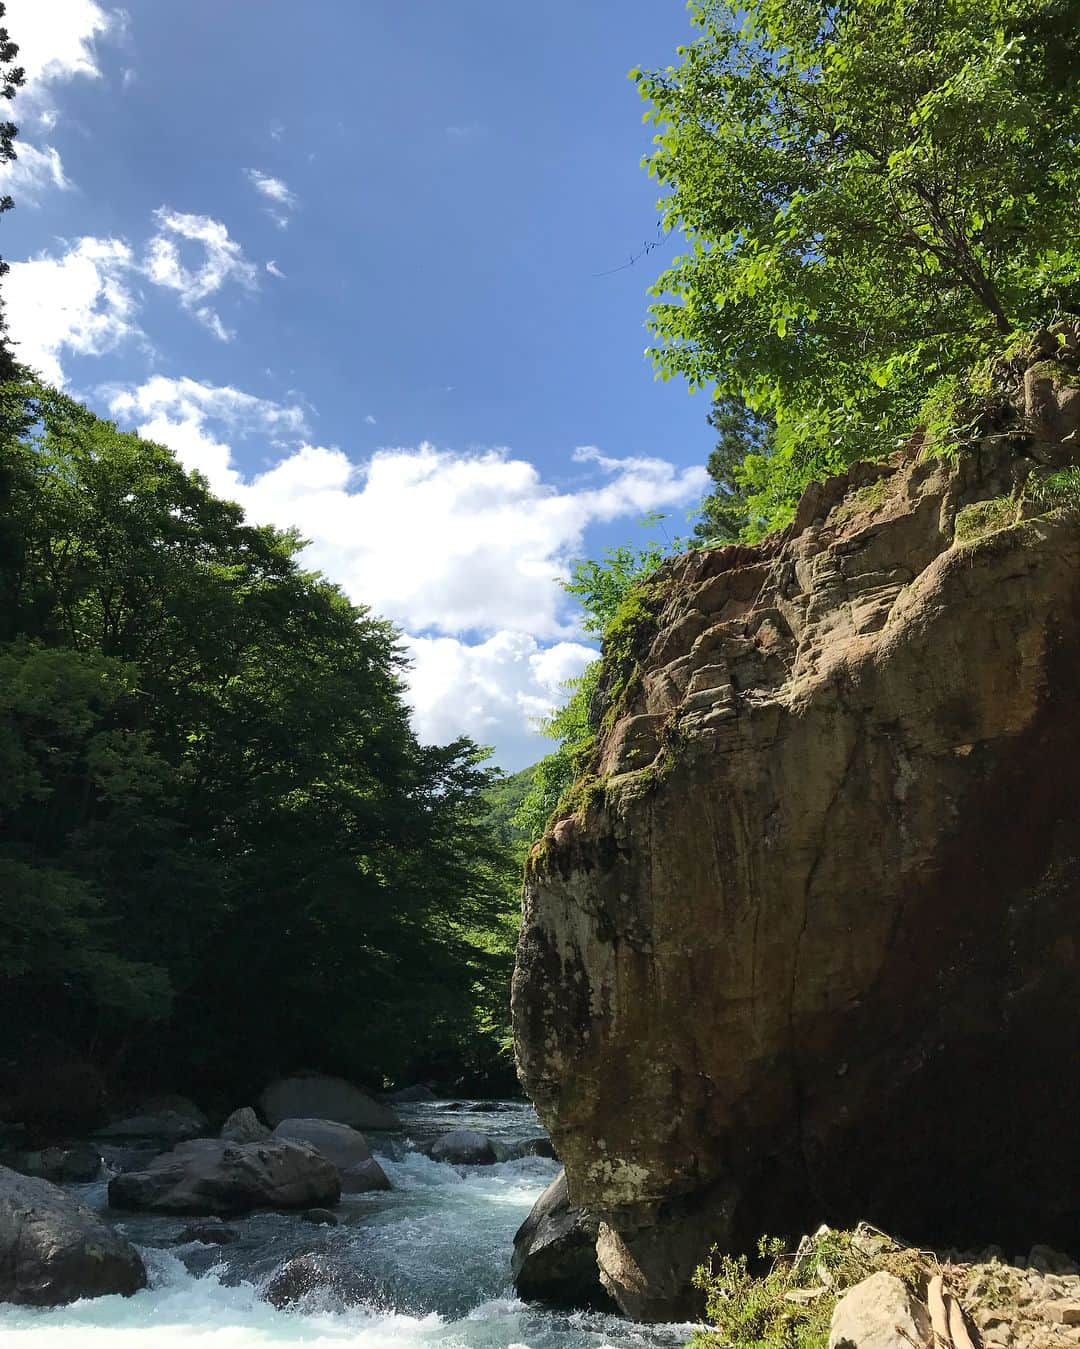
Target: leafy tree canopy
pixel 222 848
pixel 873 193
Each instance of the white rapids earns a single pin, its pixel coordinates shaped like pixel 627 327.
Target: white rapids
pixel 437 1247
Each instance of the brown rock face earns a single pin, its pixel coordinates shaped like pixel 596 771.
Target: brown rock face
pixel 811 948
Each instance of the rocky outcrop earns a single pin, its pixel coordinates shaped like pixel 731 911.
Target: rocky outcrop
pixel 244 1126
pixel 347 1149
pixel 210 1175
pixel 555 1254
pixel 809 944
pixel 54 1250
pixel 466 1147
pixel 329 1098
pixel 879 1313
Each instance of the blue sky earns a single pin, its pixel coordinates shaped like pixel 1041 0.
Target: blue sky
pixel 355 262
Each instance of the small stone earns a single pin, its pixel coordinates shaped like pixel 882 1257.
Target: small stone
pixel 320 1215
pixel 1063 1313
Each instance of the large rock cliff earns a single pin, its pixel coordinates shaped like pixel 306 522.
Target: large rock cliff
pixel 809 946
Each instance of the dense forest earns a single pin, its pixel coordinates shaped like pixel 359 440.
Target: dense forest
pixel 224 850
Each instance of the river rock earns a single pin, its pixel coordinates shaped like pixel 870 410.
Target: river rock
pixel 554 1257
pixel 819 901
pixel 321 1217
pixel 211 1175
pixel 536 1147
pixel 466 1147
pixel 329 1098
pixel 879 1313
pixel 347 1149
pixel 166 1119
pixel 408 1095
pixel 54 1250
pixel 244 1126
pixel 210 1233
pixel 321 1282
pixel 77 1163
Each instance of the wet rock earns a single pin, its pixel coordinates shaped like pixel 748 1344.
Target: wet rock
pixel 76 1164
pixel 554 1257
pixel 345 1147
pixel 54 1250
pixel 211 1175
pixel 165 1119
pixel 408 1095
pixel 244 1126
pixel 879 1313
pixel 328 1098
pixel 208 1233
pixel 536 1147
pixel 321 1217
pixel 321 1283
pixel 466 1147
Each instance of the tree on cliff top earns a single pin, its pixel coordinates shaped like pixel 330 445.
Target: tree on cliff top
pixel 873 193
pixel 11 79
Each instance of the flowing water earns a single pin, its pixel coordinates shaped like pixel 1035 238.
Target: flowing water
pixel 435 1250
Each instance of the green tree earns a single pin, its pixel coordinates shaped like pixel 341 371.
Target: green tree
pixel 873 195
pixel 603 589
pixel 11 79
pixel 725 513
pixel 224 850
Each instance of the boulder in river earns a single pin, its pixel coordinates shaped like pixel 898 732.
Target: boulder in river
pixel 409 1095
pixel 330 1098
pixel 244 1126
pixel 54 1250
pixel 555 1254
pixel 322 1280
pixel 817 900
pixel 165 1119
pixel 467 1147
pixel 536 1147
pixel 345 1147
pixel 211 1175
pixel 72 1164
pixel 212 1232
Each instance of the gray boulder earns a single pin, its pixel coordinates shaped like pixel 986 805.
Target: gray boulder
pixel 347 1149
pixel 407 1095
pixel 536 1147
pixel 54 1250
pixel 74 1164
pixel 321 1282
pixel 213 1232
pixel 211 1175
pixel 166 1119
pixel 879 1313
pixel 330 1098
pixel 244 1126
pixel 554 1257
pixel 467 1147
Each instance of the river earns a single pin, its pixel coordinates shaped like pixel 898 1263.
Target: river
pixel 437 1247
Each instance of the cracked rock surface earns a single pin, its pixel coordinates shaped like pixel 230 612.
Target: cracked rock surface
pixel 810 947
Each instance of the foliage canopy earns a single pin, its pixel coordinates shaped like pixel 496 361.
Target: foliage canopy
pixel 873 193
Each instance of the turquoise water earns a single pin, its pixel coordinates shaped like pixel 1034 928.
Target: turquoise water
pixel 437 1248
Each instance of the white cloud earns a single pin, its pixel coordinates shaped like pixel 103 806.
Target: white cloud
pixel 369 419
pixel 463 551
pixel 275 270
pixel 493 691
pixel 222 261
pixel 56 40
pixel 29 176
pixel 274 191
pixel 56 44
pixel 79 302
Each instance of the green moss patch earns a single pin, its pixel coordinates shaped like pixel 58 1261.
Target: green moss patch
pixel 984 517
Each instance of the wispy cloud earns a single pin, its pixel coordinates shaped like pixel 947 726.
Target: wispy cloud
pixel 223 261
pixel 34 172
pixel 276 193
pixel 275 270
